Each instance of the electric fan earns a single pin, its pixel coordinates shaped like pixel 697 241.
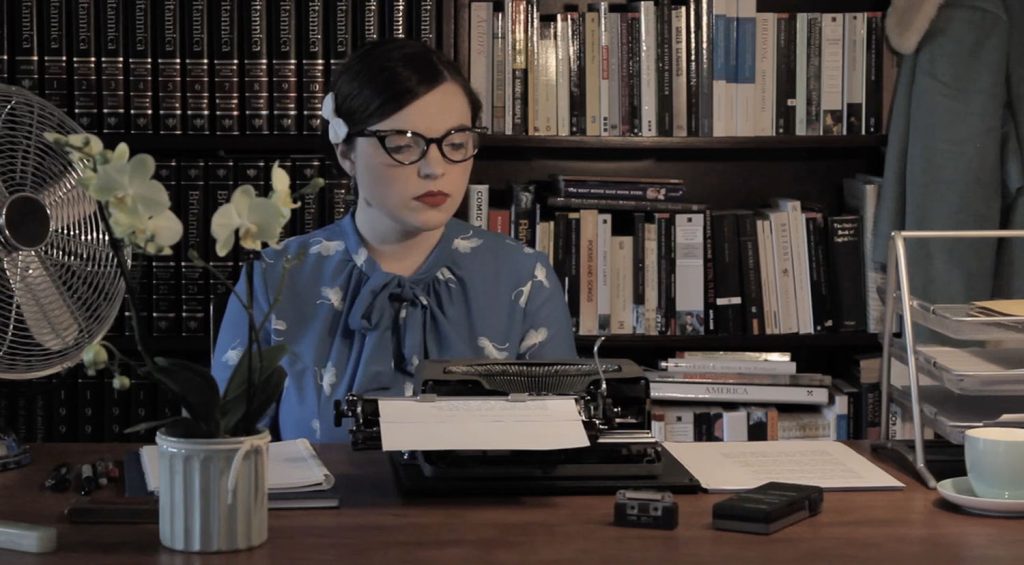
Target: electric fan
pixel 60 288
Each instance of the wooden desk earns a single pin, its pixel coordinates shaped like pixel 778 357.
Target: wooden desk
pixel 375 525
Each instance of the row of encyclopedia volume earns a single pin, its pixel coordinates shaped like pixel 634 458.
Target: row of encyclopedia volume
pixel 195 66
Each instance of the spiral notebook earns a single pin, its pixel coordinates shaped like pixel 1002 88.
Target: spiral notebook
pixel 293 465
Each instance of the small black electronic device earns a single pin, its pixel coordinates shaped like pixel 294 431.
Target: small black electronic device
pixel 767 508
pixel 646 509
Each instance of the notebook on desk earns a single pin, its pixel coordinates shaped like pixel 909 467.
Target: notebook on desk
pixel 297 478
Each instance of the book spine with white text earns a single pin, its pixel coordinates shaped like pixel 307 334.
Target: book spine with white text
pixel 424 22
pixel 55 54
pixel 397 21
pixel 339 32
pixel 874 39
pixel 24 42
pixel 84 72
pixel 284 57
pixel 194 279
pixel 220 182
pixel 669 390
pixel 256 69
pixel 113 103
pixel 5 33
pixel 227 67
pixel 314 65
pixel 308 216
pixel 165 269
pixel 197 68
pixel 168 67
pixel 140 66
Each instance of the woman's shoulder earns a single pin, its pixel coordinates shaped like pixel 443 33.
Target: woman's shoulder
pixel 484 250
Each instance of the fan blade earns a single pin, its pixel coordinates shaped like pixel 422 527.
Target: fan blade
pixel 43 304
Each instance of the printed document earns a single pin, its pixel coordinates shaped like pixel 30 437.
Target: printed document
pixel 738 466
pixel 480 423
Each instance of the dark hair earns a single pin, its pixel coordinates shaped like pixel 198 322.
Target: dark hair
pixel 385 76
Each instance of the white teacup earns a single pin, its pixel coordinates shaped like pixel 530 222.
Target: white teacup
pixel 995 462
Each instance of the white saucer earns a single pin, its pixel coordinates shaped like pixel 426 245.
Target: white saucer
pixel 958 491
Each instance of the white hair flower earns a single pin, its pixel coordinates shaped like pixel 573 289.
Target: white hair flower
pixel 337 129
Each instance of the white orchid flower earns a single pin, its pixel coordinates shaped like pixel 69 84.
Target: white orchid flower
pixel 85 143
pixel 255 219
pixel 282 195
pixel 95 358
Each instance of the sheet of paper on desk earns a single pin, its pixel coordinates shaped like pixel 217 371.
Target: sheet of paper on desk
pixel 536 424
pixel 737 466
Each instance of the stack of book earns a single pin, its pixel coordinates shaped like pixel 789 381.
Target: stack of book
pixel 739 396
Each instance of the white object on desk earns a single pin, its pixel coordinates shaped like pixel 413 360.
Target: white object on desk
pixel 480 423
pixel 293 466
pixel 738 466
pixel 30 538
pixel 958 491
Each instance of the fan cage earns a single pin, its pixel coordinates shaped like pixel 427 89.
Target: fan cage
pixel 57 298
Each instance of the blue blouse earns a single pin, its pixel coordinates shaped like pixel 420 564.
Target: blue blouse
pixel 352 327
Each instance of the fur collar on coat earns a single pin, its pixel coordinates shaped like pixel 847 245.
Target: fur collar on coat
pixel 907 21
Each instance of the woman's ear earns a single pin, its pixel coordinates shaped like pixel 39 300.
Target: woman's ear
pixel 346 158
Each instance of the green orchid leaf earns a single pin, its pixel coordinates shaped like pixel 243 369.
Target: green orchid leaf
pixel 266 395
pixel 152 424
pixel 196 388
pixel 269 358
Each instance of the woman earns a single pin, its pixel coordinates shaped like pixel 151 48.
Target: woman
pixel 398 279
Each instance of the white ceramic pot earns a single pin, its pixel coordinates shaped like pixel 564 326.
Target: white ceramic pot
pixel 213 492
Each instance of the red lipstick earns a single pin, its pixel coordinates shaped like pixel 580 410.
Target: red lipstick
pixel 433 198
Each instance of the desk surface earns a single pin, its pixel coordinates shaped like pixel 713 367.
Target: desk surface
pixel 375 525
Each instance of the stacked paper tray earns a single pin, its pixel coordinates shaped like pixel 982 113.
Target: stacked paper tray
pixel 951 414
pixel 975 371
pixel 963 321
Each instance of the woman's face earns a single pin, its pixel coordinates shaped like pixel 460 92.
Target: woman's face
pixel 399 201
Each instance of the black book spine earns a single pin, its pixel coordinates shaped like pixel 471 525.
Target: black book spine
pixel 5 67
pixel 25 44
pixel 693 38
pixel 339 33
pixel 308 216
pixel 41 414
pixel 314 66
pixel 560 253
pixel 425 24
pixel 256 69
pixel 573 292
pixel 90 408
pixel 635 96
pixel 168 405
pixel 524 213
pixel 140 66
pixel 846 273
pixel 813 114
pixel 254 172
pixel 194 280
pixel 23 422
pixel 577 68
pixel 728 282
pixel 750 265
pixel 625 90
pixel 85 78
pixel 710 317
pixel 337 195
pixel 875 46
pixel 785 76
pixel 220 184
pixel 113 107
pixel 141 275
pixel 666 273
pixel 117 406
pixel 227 67
pixel 142 408
pixel 168 66
pixel 397 24
pixel 55 54
pixel 166 307
pixel 821 300
pixel 639 280
pixel 369 22
pixel 664 41
pixel 64 406
pixel 197 67
pixel 285 67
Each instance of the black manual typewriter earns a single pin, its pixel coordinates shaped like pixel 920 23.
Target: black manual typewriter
pixel 613 402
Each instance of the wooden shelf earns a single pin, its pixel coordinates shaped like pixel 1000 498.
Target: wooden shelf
pixel 726 343
pixel 210 145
